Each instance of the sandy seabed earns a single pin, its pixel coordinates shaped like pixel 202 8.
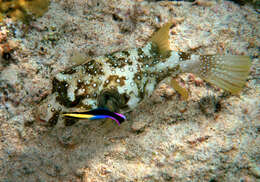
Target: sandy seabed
pixel 211 137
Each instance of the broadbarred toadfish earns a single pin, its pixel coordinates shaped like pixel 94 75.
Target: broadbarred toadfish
pixel 120 80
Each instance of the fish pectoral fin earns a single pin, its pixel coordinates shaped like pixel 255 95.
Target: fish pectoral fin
pixel 182 91
pixel 161 37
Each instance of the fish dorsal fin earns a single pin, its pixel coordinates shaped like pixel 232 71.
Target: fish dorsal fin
pixel 161 37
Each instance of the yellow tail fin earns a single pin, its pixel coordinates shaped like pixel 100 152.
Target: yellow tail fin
pixel 228 72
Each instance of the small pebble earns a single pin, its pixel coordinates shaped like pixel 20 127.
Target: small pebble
pixel 255 170
pixel 80 172
pixel 138 126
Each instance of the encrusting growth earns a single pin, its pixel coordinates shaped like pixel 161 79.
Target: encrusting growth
pixel 23 10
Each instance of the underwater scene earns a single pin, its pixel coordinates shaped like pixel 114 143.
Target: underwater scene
pixel 129 90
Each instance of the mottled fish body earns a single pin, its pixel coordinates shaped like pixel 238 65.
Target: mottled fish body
pixel 120 81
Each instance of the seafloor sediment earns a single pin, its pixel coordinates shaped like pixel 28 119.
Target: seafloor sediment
pixel 212 136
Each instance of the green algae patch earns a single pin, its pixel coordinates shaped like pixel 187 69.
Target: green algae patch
pixel 23 10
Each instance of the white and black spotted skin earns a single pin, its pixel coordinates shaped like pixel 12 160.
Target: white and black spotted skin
pixel 128 76
pixel 120 80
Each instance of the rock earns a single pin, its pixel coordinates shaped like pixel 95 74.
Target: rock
pixel 138 126
pixel 255 170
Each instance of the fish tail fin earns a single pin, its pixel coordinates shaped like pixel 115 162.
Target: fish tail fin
pixel 161 37
pixel 228 72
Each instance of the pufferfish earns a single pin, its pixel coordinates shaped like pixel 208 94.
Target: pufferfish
pixel 117 82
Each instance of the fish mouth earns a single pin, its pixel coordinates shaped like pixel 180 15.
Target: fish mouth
pixel 112 100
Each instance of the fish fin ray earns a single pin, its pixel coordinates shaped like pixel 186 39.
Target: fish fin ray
pixel 228 72
pixel 182 91
pixel 161 37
